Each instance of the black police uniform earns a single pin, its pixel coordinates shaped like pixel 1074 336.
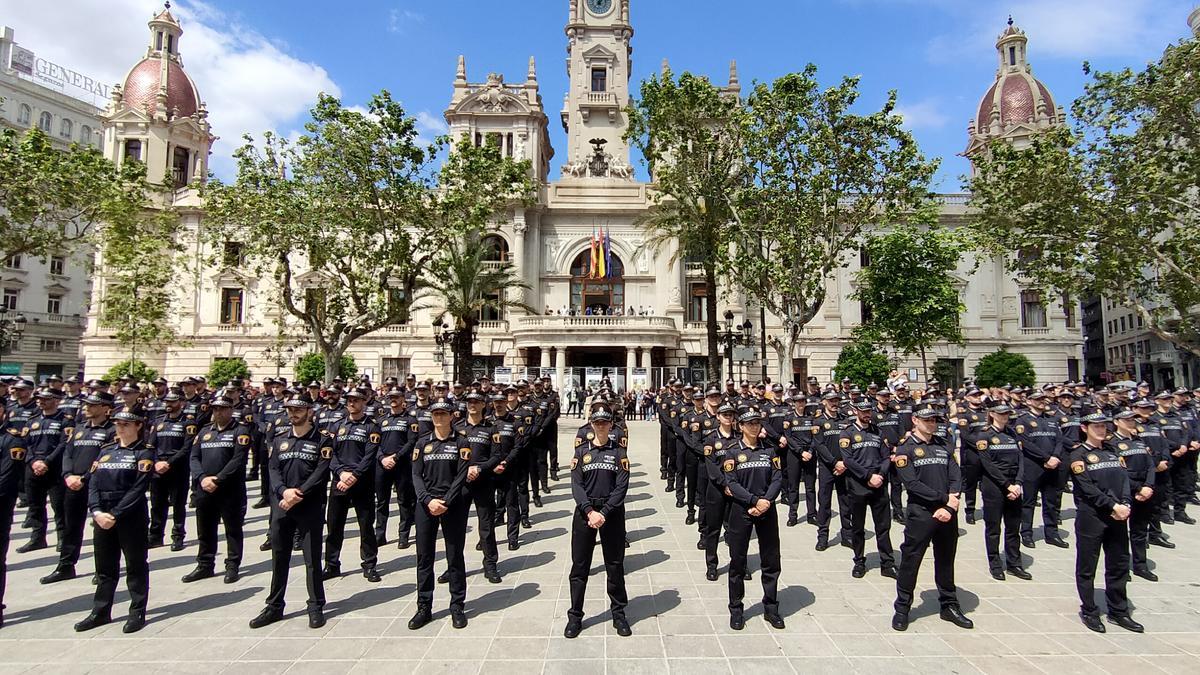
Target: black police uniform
pixel 751 473
pixel 82 450
pixel 599 482
pixel 356 450
pixel 171 439
pixel 865 455
pixel 1140 465
pixel 222 454
pixel 716 445
pixel 930 476
pixel 1001 466
pixel 118 485
pixel 300 462
pixel 45 438
pixel 508 483
pixel 800 431
pixel 397 433
pixel 485 455
pixel 439 468
pixel 1041 440
pixel 12 465
pixel 829 454
pixel 1101 482
pixel 972 424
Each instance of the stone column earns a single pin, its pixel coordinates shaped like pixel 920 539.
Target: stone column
pixel 545 357
pixel 560 365
pixel 518 255
pixel 630 361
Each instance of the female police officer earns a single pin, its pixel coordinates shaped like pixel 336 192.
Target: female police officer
pixel 117 502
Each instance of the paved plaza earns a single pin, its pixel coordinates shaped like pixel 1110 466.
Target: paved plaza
pixel 680 621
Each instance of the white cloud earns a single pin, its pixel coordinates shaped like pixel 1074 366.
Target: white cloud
pixel 249 81
pixel 400 20
pixel 929 113
pixel 429 127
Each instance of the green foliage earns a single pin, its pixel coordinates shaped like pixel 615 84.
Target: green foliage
pixel 311 368
pixel 822 175
pixel 1110 206
pixel 863 363
pixel 908 285
pixel 692 136
pixel 223 370
pixel 1004 367
pixel 357 208
pixel 134 367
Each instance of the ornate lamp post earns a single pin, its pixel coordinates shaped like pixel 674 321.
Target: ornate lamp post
pixel 741 335
pixel 11 328
pixel 278 356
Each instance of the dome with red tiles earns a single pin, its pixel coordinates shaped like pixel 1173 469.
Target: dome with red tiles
pixel 144 80
pixel 1016 97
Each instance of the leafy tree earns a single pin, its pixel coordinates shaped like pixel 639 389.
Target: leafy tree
pixel 348 219
pixel 1004 367
pixel 691 135
pixel 223 370
pixel 135 367
pixel 1110 206
pixel 863 363
pixel 311 368
pixel 51 200
pixel 908 285
pixel 822 175
pixel 467 285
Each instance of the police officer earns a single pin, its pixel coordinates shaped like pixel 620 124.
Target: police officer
pixel 1141 467
pixel 751 476
pixel 867 461
pixel 1042 448
pixel 717 443
pixel 1002 470
pixel 925 464
pixel 508 471
pixel 298 460
pixel 171 437
pixel 397 434
pixel 12 465
pixel 45 436
pixel 599 481
pixel 972 424
pixel 218 467
pixel 117 503
pixel 440 462
pixel 480 434
pixel 798 430
pixel 828 426
pixel 356 452
pixel 1102 503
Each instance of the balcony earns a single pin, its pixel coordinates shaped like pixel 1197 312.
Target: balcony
pixel 1035 331
pixel 65 320
pixel 604 101
pixel 583 331
pixel 233 329
pixel 493 327
pixel 399 329
pixel 693 269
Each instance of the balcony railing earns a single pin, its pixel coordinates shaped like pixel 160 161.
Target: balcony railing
pixel 233 328
pixel 593 322
pixel 1035 331
pixel 601 98
pixel 399 329
pixel 493 326
pixel 69 320
pixel 694 269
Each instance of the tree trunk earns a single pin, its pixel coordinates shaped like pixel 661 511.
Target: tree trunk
pixel 333 362
pixel 925 366
pixel 710 306
pixel 464 349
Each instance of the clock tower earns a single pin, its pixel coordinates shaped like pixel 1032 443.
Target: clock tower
pixel 598 64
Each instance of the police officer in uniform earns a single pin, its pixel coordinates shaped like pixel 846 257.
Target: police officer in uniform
pixel 298 460
pixel 397 433
pixel 925 464
pixel 972 424
pixel 867 461
pixel 1002 470
pixel 45 436
pixel 440 461
pixel 12 465
pixel 1042 447
pixel 798 430
pixel 218 465
pixel 828 426
pixel 752 477
pixel 171 438
pixel 1141 467
pixel 356 452
pixel 599 481
pixel 1102 507
pixel 717 443
pixel 480 434
pixel 117 503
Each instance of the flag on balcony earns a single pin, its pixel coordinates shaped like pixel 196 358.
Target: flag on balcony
pixel 594 261
pixel 601 268
pixel 608 270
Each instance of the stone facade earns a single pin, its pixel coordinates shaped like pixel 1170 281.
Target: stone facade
pixel 595 192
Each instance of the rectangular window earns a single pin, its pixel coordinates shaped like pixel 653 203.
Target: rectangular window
pixel 1012 56
pixel 11 296
pixel 234 254
pixel 1124 354
pixel 133 150
pixel 1122 324
pixel 58 265
pixel 14 262
pixel 397 368
pixel 1072 369
pixel 1141 321
pixel 1069 310
pixel 231 306
pixel 180 166
pixel 54 304
pixel 697 303
pixel 599 79
pixel 865 312
pixel 49 345
pixel 1033 311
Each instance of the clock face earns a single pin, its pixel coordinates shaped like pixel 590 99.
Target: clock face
pixel 599 6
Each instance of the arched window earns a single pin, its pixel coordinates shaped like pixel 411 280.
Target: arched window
pixel 65 128
pixel 24 114
pixel 597 294
pixel 44 122
pixel 85 135
pixel 497 249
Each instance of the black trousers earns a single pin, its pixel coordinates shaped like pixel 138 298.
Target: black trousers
pixel 921 530
pixel 879 503
pixel 800 471
pixel 740 525
pixel 516 498
pixel 48 486
pixel 896 486
pixel 1045 482
pixel 612 547
pixel 453 524
pixel 75 512
pixel 1160 503
pixel 972 473
pixel 483 496
pixel 1095 532
pixel 681 468
pixel 716 513
pixel 529 456
pixel 307 520
pixel 688 464
pixel 226 506
pixel 827 483
pixel 1139 530
pixel 399 482
pixel 701 496
pixel 168 493
pixel 1000 511
pixel 362 497
pixel 541 447
pixel 8 504
pixel 1181 481
pixel 127 538
pixel 667 453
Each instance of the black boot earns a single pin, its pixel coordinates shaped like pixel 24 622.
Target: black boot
pixel 93 620
pixel 33 545
pixel 60 573
pixel 420 619
pixel 316 618
pixel 201 572
pixel 135 622
pixel 266 617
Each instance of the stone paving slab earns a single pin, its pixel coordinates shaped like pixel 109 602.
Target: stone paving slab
pixel 836 624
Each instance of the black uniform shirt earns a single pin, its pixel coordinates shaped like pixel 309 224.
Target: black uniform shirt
pixel 220 453
pixel 928 470
pixel 84 447
pixel 483 441
pixel 46 436
pixel 863 452
pixel 1100 479
pixel 356 447
pixel 172 438
pixel 1138 461
pixel 752 473
pixel 120 477
pixel 439 467
pixel 717 444
pixel 1000 457
pixel 300 462
pixel 12 460
pixel 394 430
pixel 599 476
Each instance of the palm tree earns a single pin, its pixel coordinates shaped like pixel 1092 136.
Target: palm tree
pixel 466 284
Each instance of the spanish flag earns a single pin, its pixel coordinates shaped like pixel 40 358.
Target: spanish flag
pixel 594 267
pixel 602 256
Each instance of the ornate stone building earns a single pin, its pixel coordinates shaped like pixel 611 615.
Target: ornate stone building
pixel 662 326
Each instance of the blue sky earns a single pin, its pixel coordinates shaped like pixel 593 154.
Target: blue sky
pixel 259 64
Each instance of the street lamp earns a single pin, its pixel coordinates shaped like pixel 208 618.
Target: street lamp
pixel 741 335
pixel 278 356
pixel 443 335
pixel 11 328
